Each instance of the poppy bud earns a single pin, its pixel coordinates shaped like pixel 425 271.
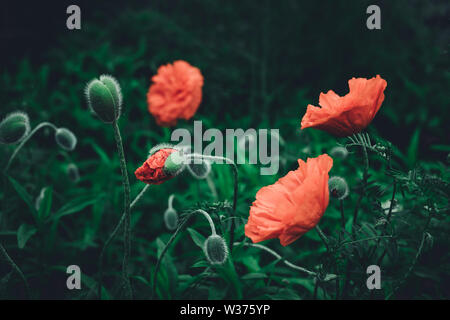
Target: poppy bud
pixel 164 163
pixel 338 187
pixel 104 98
pixel 215 249
pixel 14 128
pixel 201 170
pixel 339 153
pixel 171 219
pixel 65 139
pixel 72 172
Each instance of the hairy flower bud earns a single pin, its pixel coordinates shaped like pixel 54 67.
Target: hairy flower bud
pixel 104 98
pixel 175 163
pixel 171 219
pixel 200 170
pixel 338 187
pixel 215 249
pixel 339 152
pixel 14 128
pixel 72 172
pixel 65 139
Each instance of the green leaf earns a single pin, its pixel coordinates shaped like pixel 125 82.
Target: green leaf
pixel 45 204
pixel 413 148
pixel 24 233
pixel 25 196
pixel 197 237
pixel 76 205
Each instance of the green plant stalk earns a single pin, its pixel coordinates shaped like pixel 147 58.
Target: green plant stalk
pixel 111 238
pixel 127 228
pixel 16 268
pixel 323 237
pixel 341 207
pixel 363 190
pixel 235 191
pixel 16 151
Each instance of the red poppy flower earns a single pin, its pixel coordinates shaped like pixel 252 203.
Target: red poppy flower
pixel 152 171
pixel 293 205
pixel 176 93
pixel 344 116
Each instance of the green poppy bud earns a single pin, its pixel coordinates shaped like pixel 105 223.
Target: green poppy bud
pixel 104 98
pixel 215 249
pixel 338 187
pixel 339 153
pixel 14 128
pixel 72 172
pixel 200 170
pixel 171 219
pixel 65 139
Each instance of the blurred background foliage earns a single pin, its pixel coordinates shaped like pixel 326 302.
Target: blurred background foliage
pixel 263 63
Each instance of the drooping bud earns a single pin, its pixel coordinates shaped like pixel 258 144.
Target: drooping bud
pixel 200 170
pixel 65 139
pixel 171 219
pixel 72 172
pixel 104 98
pixel 14 128
pixel 339 152
pixel 338 187
pixel 215 249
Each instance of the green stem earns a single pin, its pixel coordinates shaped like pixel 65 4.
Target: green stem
pixel 341 207
pixel 236 186
pixel 111 238
pixel 363 190
pixel 127 228
pixel 323 237
pixel 16 151
pixel 15 268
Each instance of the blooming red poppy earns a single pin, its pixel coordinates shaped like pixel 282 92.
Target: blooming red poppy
pixel 152 171
pixel 176 93
pixel 293 205
pixel 344 116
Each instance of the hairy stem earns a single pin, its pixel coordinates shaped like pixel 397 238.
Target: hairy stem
pixel 236 186
pixel 15 268
pixel 341 207
pixel 16 151
pixel 364 185
pixel 111 238
pixel 323 237
pixel 127 228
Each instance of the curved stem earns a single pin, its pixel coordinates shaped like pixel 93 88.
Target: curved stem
pixel 126 189
pixel 172 239
pixel 276 255
pixel 16 151
pixel 171 197
pixel 236 185
pixel 111 238
pixel 16 268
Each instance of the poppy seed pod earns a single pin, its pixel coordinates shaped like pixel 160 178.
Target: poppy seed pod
pixel 104 98
pixel 171 219
pixel 65 139
pixel 14 128
pixel 339 153
pixel 215 249
pixel 338 188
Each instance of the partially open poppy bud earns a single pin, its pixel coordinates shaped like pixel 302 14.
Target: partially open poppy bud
pixel 65 139
pixel 72 172
pixel 338 187
pixel 104 98
pixel 162 164
pixel 171 219
pixel 216 251
pixel 14 128
pixel 339 153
